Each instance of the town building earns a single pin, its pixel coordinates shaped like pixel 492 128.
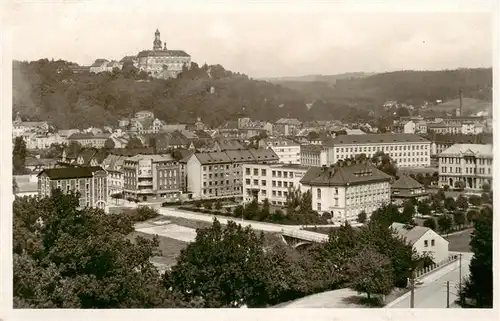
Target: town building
pixel 406 189
pixel 220 174
pixel 89 140
pixel 146 176
pixel 89 182
pixel 313 155
pixel 286 126
pixel 287 150
pixel 162 62
pixel 470 164
pixel 345 191
pixel 20 127
pixel 44 141
pixel 25 185
pixel 271 181
pixel 407 150
pixel 424 241
pixel 113 164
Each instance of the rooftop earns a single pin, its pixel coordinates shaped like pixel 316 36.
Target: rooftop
pixel 377 138
pixel 469 149
pixel 153 158
pixel 230 156
pixel 406 182
pixel 411 235
pixel 163 53
pixel 71 172
pixel 353 174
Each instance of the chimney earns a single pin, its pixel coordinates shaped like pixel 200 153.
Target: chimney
pixel 461 102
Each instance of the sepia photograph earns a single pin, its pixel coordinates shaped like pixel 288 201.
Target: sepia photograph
pixel 270 155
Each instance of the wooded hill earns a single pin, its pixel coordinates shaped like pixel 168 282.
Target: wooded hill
pixel 50 90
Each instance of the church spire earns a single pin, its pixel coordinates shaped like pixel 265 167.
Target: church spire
pixel 157 41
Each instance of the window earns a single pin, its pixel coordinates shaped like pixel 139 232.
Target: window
pixel 256 172
pixel 263 172
pixel 426 243
pixel 336 191
pixel 263 183
pixel 318 206
pixel 273 183
pixel 247 181
pixel 247 172
pixel 433 243
pixel 285 174
pixel 256 182
pixel 318 191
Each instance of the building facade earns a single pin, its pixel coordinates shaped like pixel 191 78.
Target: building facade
pixel 162 63
pixel 405 189
pixel 220 174
pixel 90 182
pixel 288 151
pixel 407 150
pixel 146 176
pixel 471 164
pixel 287 127
pixel 424 241
pixel 89 140
pixel 271 181
pixel 313 155
pixel 347 190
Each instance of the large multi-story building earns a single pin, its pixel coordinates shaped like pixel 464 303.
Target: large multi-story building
pixel 347 190
pixel 162 63
pixel 271 181
pixel 287 126
pixel 288 151
pixel 470 164
pixel 89 139
pixel 151 176
pixel 113 164
pixel 89 182
pixel 220 174
pixel 408 150
pixel 313 155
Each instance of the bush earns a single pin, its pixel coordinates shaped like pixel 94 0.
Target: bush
pixel 207 205
pixel 143 213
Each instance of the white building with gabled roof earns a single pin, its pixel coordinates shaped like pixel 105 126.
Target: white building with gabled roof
pixel 424 241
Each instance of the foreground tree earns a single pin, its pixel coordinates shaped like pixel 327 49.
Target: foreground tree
pixel 445 223
pixel 70 258
pixel 480 283
pixel 462 202
pixel 362 217
pixel 19 156
pixel 370 272
pixel 430 223
pixel 223 267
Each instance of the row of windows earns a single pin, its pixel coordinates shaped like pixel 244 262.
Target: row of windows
pixel 381 148
pixel 219 167
pixel 468 170
pixel 457 160
pixel 227 189
pixel 221 182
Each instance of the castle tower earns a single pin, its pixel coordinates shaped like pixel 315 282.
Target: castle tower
pixel 157 42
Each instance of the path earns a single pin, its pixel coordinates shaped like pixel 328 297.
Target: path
pixel 432 293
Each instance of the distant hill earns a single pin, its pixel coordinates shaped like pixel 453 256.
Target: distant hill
pixel 52 91
pixel 331 79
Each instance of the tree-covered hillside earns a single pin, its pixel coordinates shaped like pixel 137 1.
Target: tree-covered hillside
pixel 50 90
pixel 47 90
pixel 411 87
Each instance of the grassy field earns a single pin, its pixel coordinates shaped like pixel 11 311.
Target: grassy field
pixel 170 248
pixel 460 242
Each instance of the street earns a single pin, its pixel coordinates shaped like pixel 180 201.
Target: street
pixel 432 294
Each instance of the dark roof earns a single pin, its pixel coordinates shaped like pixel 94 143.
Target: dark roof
pixel 232 156
pixel 311 148
pixel 163 53
pixel 343 175
pixel 229 144
pixel 71 172
pixel 406 182
pixel 202 134
pixel 377 138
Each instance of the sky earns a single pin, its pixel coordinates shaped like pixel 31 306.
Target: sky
pixel 262 39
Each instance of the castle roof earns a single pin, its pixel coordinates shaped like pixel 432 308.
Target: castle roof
pixel 163 53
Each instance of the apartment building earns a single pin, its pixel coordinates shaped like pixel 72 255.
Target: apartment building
pixel 113 164
pixel 408 150
pixel 313 155
pixel 347 190
pixel 220 174
pixel 146 176
pixel 471 164
pixel 89 139
pixel 287 150
pixel 271 181
pixel 90 182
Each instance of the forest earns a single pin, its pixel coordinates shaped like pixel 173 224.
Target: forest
pixel 51 91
